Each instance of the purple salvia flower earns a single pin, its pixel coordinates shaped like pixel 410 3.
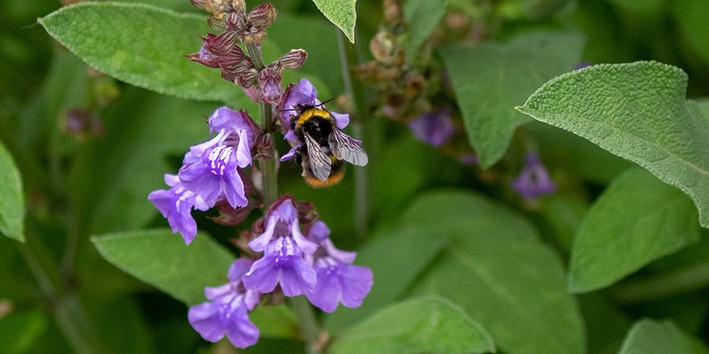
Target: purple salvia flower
pixel 210 169
pixel 433 128
pixel 303 94
pixel 534 180
pixel 338 281
pixel 226 312
pixel 283 245
pixel 176 205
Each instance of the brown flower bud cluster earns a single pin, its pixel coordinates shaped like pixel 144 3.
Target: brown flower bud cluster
pixel 233 50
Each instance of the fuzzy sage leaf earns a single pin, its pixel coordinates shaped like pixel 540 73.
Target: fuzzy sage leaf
pixel 490 78
pixel 656 337
pixel 637 111
pixel 160 258
pixel 12 202
pixel 342 13
pixel 428 324
pixel 637 220
pixel 142 45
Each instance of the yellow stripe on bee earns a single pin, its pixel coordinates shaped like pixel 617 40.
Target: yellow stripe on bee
pixel 313 112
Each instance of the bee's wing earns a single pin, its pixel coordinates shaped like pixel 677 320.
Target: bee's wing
pixel 346 148
pixel 319 161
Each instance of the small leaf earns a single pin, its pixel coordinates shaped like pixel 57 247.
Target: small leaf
pixel 430 324
pixel 342 13
pixel 637 220
pixel 490 78
pixel 12 202
pixel 161 258
pixel 19 332
pixel 142 45
pixel 649 337
pixel 422 17
pixel 639 112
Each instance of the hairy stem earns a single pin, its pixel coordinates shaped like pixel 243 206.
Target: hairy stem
pixel 308 323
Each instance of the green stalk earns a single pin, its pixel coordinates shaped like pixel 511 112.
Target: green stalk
pixel 308 323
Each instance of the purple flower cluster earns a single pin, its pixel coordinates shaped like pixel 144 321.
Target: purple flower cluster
pixel 209 172
pixel 290 252
pixel 296 263
pixel 534 180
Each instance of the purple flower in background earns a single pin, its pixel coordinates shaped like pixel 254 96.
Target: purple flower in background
pixel 210 169
pixel 337 280
pixel 433 128
pixel 303 94
pixel 581 65
pixel 226 312
pixel 283 245
pixel 176 205
pixel 534 180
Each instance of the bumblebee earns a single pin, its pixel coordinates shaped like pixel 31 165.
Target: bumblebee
pixel 323 147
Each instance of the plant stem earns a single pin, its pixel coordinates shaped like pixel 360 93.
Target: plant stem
pixel 361 197
pixel 308 322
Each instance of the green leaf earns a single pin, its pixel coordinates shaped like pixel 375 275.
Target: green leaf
pixel 637 111
pixel 422 17
pixel 19 332
pixel 341 13
pixel 649 336
pixel 161 258
pixel 430 324
pixel 483 257
pixel 490 78
pixel 394 272
pixel 497 270
pixel 637 220
pixel 142 45
pixel 12 202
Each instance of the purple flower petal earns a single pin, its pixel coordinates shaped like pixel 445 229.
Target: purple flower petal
pixel 291 153
pixel 176 205
pixel 282 263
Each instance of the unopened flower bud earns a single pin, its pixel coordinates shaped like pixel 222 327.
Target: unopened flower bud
pixel 82 124
pixel 293 59
pixel 306 212
pixel 382 47
pixel 262 16
pixel 263 149
pixel 247 79
pixel 269 81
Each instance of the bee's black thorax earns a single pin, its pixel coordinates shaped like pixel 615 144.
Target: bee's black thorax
pixel 319 128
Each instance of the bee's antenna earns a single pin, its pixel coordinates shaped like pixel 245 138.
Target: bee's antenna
pixel 323 103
